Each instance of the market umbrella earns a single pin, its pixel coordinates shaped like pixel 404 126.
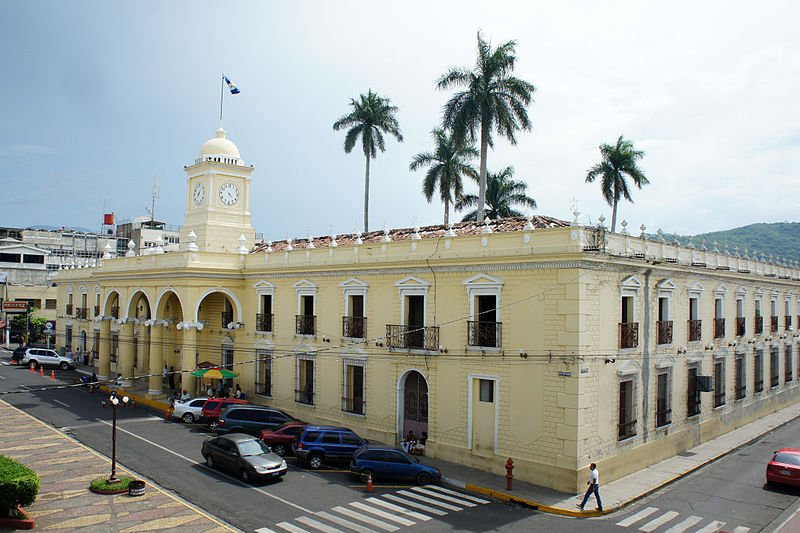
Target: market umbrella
pixel 214 373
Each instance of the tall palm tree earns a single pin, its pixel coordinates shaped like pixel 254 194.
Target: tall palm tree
pixel 493 100
pixel 503 193
pixel 618 161
pixel 447 164
pixel 371 117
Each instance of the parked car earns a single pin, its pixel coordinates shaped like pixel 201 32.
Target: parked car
pixel 19 352
pixel 189 410
pixel 214 407
pixel 784 467
pixel 244 455
pixel 317 444
pixel 387 462
pixel 250 419
pixel 280 439
pixel 35 357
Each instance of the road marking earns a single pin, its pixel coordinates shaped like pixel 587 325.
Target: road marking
pixel 62 403
pixel 712 527
pixel 398 509
pixel 415 505
pixel 264 530
pixel 741 529
pixel 342 522
pixel 367 519
pixel 318 525
pixel 455 493
pixel 289 527
pixel 644 513
pixel 660 521
pixel 194 462
pixel 429 500
pixel 444 497
pixel 383 514
pixel 683 526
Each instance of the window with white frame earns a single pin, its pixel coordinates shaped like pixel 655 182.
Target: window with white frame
pixel 758 328
pixel 758 370
pixel 304 378
pixel 412 333
pixel 663 397
pixel 741 326
pixel 306 319
pixel 484 328
pixel 264 370
pixel 773 314
pixel 354 385
pixel 719 381
pixel 787 313
pixel 265 292
pixel 692 390
pixel 664 326
pixel 354 320
pixel 787 362
pixel 740 377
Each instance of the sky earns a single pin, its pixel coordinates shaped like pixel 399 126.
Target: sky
pixel 104 96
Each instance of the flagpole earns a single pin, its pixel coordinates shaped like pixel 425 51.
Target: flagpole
pixel 221 93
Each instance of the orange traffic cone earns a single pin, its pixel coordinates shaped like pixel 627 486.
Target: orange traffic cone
pixel 41 370
pixel 31 369
pixel 369 482
pixel 167 414
pixel 52 375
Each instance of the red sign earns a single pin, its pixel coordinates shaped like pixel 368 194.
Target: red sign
pixel 15 307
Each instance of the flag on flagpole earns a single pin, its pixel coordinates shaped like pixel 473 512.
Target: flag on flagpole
pixel 231 86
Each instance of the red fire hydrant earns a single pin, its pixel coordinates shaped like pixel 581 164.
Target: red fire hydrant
pixel 509 475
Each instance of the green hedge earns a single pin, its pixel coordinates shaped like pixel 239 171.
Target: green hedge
pixel 19 485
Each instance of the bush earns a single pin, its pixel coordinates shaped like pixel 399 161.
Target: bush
pixel 19 485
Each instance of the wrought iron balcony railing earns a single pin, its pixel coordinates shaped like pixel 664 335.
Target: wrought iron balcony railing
pixel 264 321
pixel 740 326
pixel 304 396
pixel 82 313
pixel 227 318
pixel 695 330
pixel 773 324
pixel 353 405
pixel 305 324
pixel 486 334
pixel 628 334
pixel 758 328
pixel 719 328
pixel 69 309
pixel 664 332
pixel 413 337
pixel 354 327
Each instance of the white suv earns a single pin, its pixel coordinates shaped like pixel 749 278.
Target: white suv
pixel 34 357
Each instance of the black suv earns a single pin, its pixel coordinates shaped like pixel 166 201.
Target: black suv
pixel 316 444
pixel 19 352
pixel 250 419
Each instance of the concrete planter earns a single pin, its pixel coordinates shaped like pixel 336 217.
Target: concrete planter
pixel 18 523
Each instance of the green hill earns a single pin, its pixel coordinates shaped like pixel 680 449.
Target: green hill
pixel 779 239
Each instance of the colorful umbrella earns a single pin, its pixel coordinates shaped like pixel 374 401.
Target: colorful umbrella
pixel 214 373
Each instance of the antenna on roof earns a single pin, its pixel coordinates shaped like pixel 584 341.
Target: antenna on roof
pixel 156 190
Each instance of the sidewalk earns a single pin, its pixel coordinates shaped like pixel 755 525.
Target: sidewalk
pixel 66 467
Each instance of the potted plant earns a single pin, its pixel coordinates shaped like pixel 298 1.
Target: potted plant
pixel 19 486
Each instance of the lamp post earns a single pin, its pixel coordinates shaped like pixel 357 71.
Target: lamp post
pixel 114 402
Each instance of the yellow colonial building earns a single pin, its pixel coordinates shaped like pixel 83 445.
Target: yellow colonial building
pixel 549 342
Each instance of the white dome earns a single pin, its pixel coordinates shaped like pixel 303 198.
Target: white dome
pixel 220 147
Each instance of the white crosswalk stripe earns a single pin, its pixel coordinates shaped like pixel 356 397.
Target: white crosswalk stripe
pixel 686 524
pixel 319 526
pixel 366 519
pixel 344 523
pixel 420 497
pixel 454 493
pixel 713 527
pixel 429 492
pixel 289 527
pixel 415 505
pixel 652 525
pixel 398 509
pixel 644 513
pixel 383 514
pixel 265 530
pixel 741 529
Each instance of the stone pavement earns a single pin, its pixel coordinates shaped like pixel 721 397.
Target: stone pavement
pixel 66 467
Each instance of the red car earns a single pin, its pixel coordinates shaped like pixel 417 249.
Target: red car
pixel 785 467
pixel 281 438
pixel 214 407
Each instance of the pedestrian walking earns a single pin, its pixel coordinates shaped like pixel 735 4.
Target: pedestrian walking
pixel 171 378
pixel 165 375
pixel 594 487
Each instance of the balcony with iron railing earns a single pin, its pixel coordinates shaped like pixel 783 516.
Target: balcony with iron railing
pixel 484 334
pixel 69 309
pixel 96 310
pixel 758 326
pixel 627 429
pixel 787 322
pixel 695 330
pixel 663 417
pixel 719 328
pixel 304 396
pixel 664 333
pixel 82 313
pixel 354 327
pixel 264 321
pixel 412 337
pixel 740 326
pixel 227 318
pixel 353 405
pixel 628 334
pixel 305 325
pixel 773 324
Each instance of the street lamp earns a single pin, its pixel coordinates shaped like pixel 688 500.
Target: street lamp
pixel 114 402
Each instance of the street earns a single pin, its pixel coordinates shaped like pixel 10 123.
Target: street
pixel 729 495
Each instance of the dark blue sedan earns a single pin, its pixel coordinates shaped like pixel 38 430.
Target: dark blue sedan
pixel 386 462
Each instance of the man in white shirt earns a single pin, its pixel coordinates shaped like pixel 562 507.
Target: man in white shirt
pixel 594 487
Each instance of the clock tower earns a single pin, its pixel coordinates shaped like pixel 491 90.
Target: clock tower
pixel 218 197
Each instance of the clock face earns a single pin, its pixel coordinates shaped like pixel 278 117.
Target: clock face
pixel 229 193
pixel 199 194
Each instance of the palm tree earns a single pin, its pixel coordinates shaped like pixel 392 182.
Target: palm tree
pixel 371 117
pixel 493 100
pixel 618 160
pixel 502 194
pixel 447 164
